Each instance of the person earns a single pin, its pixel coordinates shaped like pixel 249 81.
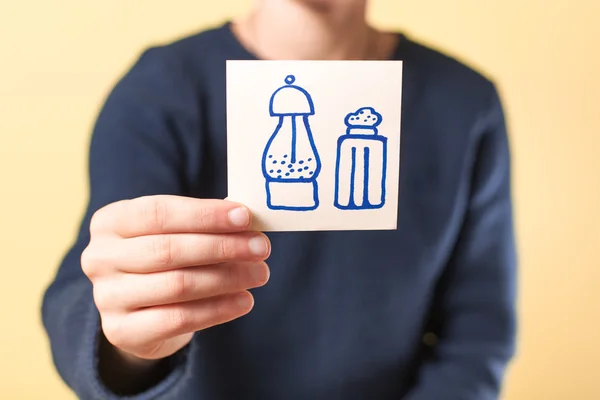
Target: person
pixel 164 293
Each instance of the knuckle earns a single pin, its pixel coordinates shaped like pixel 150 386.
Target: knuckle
pixel 154 213
pixel 178 320
pixel 101 219
pixel 232 278
pixel 113 331
pixel 177 284
pixel 217 310
pixel 207 282
pixel 101 298
pixel 164 250
pixel 219 282
pixel 224 248
pixel 97 221
pixel 206 217
pixel 90 261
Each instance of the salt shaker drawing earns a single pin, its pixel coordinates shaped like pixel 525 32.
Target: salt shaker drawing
pixel 361 163
pixel 290 162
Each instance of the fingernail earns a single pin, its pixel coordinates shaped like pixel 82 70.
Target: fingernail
pixel 259 272
pixel 243 300
pixel 258 246
pixel 239 217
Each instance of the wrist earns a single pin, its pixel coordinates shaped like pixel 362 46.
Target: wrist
pixel 125 374
pixel 132 363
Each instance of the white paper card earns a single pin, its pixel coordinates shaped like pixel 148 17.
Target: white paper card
pixel 315 145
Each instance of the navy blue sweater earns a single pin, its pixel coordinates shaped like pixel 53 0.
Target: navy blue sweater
pixel 344 313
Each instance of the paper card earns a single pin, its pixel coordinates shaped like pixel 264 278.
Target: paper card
pixel 315 145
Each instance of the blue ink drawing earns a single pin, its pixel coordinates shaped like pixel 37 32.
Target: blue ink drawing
pixel 361 163
pixel 290 161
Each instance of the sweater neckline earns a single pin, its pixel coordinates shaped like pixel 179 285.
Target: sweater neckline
pixel 245 53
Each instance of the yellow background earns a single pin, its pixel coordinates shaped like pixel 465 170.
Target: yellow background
pixel 59 58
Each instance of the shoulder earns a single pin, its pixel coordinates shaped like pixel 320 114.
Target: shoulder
pixel 171 72
pixel 447 81
pixel 189 54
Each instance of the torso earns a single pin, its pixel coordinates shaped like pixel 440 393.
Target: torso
pixel 344 312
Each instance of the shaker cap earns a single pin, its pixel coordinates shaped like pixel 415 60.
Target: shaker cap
pixel 291 100
pixel 364 121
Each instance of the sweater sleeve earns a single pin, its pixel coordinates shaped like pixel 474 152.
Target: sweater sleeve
pixel 474 321
pixel 138 147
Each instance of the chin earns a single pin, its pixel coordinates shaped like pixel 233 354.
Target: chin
pixel 326 5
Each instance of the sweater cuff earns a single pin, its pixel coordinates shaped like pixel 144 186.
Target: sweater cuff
pixel 89 360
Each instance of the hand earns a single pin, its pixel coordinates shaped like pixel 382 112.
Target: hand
pixel 163 267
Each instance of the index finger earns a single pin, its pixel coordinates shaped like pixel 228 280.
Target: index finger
pixel 162 214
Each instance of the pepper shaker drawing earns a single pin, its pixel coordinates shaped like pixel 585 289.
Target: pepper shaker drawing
pixel 290 161
pixel 361 163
